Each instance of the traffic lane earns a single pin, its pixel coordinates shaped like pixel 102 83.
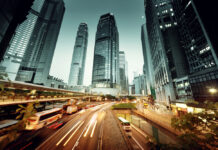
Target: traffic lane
pixel 69 126
pixel 91 136
pixel 139 138
pixel 35 137
pixel 49 143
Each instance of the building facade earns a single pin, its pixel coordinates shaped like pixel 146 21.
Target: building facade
pixel 79 56
pixel 123 73
pixel 12 14
pixel 18 44
pixel 198 33
pixel 167 55
pixel 37 59
pixel 147 67
pixel 140 85
pixel 106 54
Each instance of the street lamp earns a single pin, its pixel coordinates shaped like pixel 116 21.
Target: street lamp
pixel 212 90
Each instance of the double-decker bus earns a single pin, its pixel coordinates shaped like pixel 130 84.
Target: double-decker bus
pixel 126 126
pixel 40 119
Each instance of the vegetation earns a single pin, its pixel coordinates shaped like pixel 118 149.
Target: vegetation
pixel 12 133
pixel 199 131
pixel 124 106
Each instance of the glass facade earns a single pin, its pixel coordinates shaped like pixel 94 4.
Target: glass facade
pixel 79 56
pixel 36 62
pixel 197 30
pixel 123 73
pixel 106 53
pixel 19 42
pixel 168 57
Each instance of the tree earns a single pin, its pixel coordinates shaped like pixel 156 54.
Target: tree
pixel 12 133
pixel 199 130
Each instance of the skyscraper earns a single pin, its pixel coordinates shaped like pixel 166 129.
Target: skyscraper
pixel 198 31
pixel 18 44
pixel 147 68
pixel 79 56
pixel 36 62
pixel 123 73
pixel 106 54
pixel 12 13
pixel 168 58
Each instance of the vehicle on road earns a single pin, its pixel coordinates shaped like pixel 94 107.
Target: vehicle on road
pixel 40 119
pixel 126 126
pixel 71 109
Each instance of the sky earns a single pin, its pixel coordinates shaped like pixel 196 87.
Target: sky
pixel 129 16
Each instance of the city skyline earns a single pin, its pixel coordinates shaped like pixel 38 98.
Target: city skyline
pixel 128 32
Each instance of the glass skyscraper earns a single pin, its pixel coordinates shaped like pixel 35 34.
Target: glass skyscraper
pixel 106 53
pixel 79 56
pixel 198 32
pixel 123 73
pixel 19 42
pixel 167 55
pixel 40 46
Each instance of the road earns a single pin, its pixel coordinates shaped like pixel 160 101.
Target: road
pixel 81 132
pixel 91 129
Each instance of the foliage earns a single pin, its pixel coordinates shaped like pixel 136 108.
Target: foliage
pixel 110 97
pixel 131 97
pixel 12 133
pixel 124 106
pixel 199 131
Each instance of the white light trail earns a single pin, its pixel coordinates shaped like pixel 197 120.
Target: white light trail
pixel 73 133
pixel 67 133
pixel 90 123
pixel 137 143
pixel 93 130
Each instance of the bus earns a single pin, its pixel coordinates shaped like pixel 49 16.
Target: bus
pixel 40 119
pixel 126 126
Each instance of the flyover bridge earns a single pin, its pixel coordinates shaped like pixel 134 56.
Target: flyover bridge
pixel 15 92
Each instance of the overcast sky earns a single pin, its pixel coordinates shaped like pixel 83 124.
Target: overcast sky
pixel 129 15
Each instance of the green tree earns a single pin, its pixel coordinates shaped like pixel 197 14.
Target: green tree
pixel 199 130
pixel 13 132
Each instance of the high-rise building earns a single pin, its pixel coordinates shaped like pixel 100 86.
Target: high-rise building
pixel 79 56
pixel 198 34
pixel 139 83
pixel 12 14
pixel 147 67
pixel 123 73
pixel 168 58
pixel 106 54
pixel 40 46
pixel 18 43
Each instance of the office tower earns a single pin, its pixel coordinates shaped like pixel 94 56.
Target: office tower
pixel 147 67
pixel 36 62
pixel 168 58
pixel 123 73
pixel 139 83
pixel 198 32
pixel 79 56
pixel 19 42
pixel 106 54
pixel 12 14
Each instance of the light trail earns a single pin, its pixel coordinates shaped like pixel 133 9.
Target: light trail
pixel 90 123
pixel 93 130
pixel 137 143
pixel 73 133
pixel 67 133
pixel 139 131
